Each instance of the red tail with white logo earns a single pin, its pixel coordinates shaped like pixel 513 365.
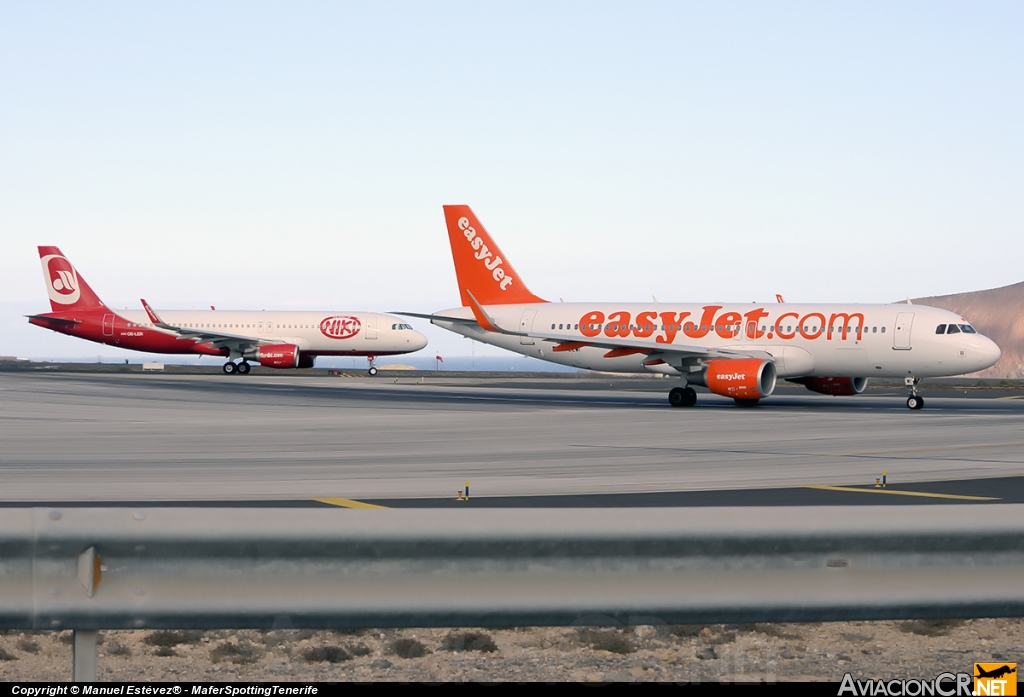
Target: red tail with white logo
pixel 67 290
pixel 480 266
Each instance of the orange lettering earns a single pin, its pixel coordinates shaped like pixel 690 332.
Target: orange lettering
pixel 642 321
pixel 811 334
pixel 754 318
pixel 778 329
pixel 589 323
pixel 620 322
pixel 846 324
pixel 698 331
pixel 672 324
pixel 727 324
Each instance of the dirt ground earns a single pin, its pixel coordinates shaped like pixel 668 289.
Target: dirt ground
pixel 667 653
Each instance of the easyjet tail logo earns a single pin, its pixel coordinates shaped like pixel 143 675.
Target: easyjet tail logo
pixel 481 252
pixel 62 280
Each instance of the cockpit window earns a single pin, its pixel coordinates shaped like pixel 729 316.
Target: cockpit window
pixel 953 329
pixel 967 329
pixel 941 329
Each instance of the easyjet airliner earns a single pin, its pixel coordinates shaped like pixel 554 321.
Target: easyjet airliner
pixel 272 339
pixel 735 350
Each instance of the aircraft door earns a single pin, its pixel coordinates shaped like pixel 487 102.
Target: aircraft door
pixel 108 325
pixel 371 327
pixel 901 337
pixel 526 326
pixel 750 330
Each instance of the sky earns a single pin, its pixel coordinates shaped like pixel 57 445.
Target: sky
pixel 297 155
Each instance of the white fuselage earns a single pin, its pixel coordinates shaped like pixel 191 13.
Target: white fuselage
pixel 897 340
pixel 316 333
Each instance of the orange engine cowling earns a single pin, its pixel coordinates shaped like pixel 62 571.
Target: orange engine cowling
pixel 279 356
pixel 839 387
pixel 741 378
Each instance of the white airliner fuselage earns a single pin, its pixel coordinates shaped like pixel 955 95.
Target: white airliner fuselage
pixel 735 350
pixel 273 339
pixel 885 341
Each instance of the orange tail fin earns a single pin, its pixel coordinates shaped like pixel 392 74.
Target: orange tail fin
pixel 67 290
pixel 480 266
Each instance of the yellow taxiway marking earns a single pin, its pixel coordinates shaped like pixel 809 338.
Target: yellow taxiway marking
pixel 348 503
pixel 903 493
pixel 1016 396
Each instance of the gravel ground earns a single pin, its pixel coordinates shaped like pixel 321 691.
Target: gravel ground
pixel 681 653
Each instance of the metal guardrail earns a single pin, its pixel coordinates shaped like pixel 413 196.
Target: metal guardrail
pixel 122 568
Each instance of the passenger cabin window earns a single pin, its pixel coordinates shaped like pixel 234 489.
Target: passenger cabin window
pixel 941 329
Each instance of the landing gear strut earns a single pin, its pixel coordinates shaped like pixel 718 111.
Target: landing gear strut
pixel 242 368
pixel 914 401
pixel 682 396
pixel 373 368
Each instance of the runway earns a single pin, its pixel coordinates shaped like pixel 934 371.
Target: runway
pixel 145 438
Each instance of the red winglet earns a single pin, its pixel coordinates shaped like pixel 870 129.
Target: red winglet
pixel 149 311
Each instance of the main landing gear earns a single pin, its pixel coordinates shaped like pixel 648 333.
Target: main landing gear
pixel 242 368
pixel 914 401
pixel 682 397
pixel 373 368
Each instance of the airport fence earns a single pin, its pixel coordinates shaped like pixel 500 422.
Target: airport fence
pixel 89 569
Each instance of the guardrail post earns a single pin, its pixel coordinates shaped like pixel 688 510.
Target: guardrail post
pixel 84 660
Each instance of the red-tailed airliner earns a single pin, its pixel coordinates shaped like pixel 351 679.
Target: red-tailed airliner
pixel 735 350
pixel 272 339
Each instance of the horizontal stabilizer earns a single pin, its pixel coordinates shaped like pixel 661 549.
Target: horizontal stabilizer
pixel 55 320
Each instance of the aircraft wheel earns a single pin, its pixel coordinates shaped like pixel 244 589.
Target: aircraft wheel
pixel 373 371
pixel 915 402
pixel 244 368
pixel 747 402
pixel 229 368
pixel 682 396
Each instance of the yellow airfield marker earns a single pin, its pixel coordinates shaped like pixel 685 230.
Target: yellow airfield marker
pixel 348 503
pixel 901 493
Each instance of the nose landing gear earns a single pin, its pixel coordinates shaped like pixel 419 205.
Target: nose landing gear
pixel 914 401
pixel 373 367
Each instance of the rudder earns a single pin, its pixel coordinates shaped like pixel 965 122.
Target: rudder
pixel 480 266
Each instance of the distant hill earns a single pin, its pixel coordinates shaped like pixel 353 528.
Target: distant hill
pixel 998 314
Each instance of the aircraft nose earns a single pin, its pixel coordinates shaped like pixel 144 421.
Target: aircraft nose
pixel 419 341
pixel 991 352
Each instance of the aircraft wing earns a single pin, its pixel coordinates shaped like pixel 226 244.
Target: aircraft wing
pixel 204 336
pixel 459 320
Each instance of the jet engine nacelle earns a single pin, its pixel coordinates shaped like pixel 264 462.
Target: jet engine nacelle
pixel 739 378
pixel 838 387
pixel 280 356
